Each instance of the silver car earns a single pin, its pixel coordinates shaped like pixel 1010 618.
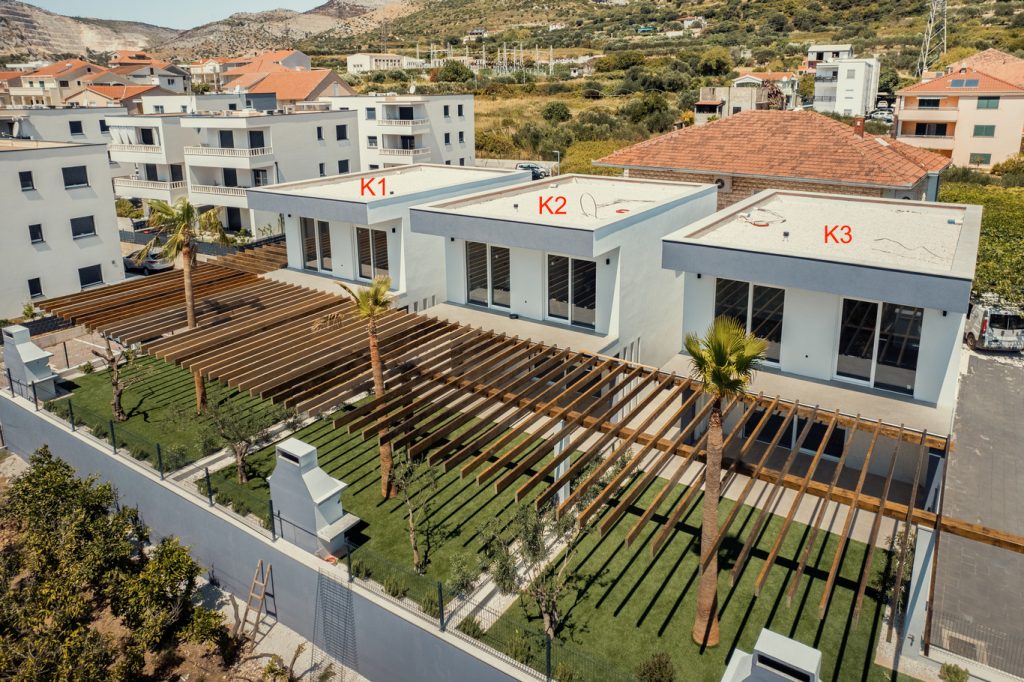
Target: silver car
pixel 993 325
pixel 153 262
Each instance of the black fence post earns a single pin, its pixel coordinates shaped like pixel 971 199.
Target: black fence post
pixel 67 363
pixel 209 487
pixel 160 460
pixel 273 526
pixel 348 562
pixel 440 605
pixel 35 398
pixel 113 438
pixel 10 382
pixel 71 414
pixel 547 656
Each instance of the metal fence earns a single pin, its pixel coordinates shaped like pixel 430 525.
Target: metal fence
pixel 970 640
pixel 421 597
pixel 205 248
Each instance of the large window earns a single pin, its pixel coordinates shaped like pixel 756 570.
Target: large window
pixel 984 131
pixel 372 252
pixel 488 275
pixel 90 276
pixel 572 290
pixel 979 159
pixel 341 132
pixel 316 244
pixel 83 227
pixel 27 183
pixel 879 344
pixel 758 308
pixel 930 129
pixel 988 102
pixel 35 233
pixel 75 176
pixel 35 287
pixel 75 127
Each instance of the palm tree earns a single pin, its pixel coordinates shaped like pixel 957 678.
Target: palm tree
pixel 177 229
pixel 371 304
pixel 724 360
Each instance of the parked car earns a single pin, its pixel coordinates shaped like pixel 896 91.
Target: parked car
pixel 881 115
pixel 538 171
pixel 993 325
pixel 154 262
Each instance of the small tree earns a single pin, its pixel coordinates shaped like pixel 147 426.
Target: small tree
pixel 657 668
pixel 243 427
pixel 454 72
pixel 416 483
pixel 951 672
pixel 555 112
pixel 119 363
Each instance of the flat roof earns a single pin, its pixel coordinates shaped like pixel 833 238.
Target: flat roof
pixel 399 181
pixel 590 201
pixel 18 145
pixel 903 235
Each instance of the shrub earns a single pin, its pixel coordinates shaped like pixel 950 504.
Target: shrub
pixel 965 174
pixel 99 430
pixel 361 570
pixel 565 673
pixel 657 668
pixel 470 626
pixel 520 647
pixel 86 368
pixel 555 112
pixel 950 672
pixel 464 574
pixel 429 606
pixel 395 587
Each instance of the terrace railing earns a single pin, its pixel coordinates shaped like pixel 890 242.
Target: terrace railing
pixel 235 152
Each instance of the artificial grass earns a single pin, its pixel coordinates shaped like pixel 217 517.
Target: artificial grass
pixel 460 507
pixel 160 409
pixel 631 606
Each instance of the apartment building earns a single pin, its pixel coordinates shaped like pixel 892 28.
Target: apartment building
pixel 786 81
pixel 846 86
pixel 799 150
pixel 53 84
pixel 8 79
pixel 157 73
pixel 197 104
pixel 862 301
pixel 971 117
pixel 235 150
pixel 127 96
pixel 819 53
pixel 573 261
pixel 397 130
pixel 63 124
pixel 152 147
pixel 60 232
pixel 355 227
pixel 211 71
pixel 361 62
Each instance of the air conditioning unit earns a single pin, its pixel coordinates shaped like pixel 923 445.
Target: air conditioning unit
pixel 724 183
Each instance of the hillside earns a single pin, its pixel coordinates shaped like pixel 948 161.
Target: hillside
pixel 30 31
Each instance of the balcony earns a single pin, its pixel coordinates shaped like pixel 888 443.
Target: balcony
pixel 929 114
pixel 403 123
pixel 149 189
pixel 941 142
pixel 419 151
pixel 219 195
pixel 135 148
pixel 230 152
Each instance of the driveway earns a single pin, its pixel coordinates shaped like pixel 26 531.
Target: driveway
pixel 979 590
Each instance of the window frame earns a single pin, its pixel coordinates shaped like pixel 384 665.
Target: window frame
pixel 371 113
pixel 372 142
pixel 871 381
pixel 64 176
pixel 84 235
pixel 97 283
pixel 570 318
pixel 373 254
pixel 31 186
pixel 749 320
pixel 459 110
pixel 448 138
pixel 319 133
pixel 488 261
pixel 988 99
pixel 32 238
pixel 341 132
pixel 71 128
pixel 985 127
pixel 34 295
pixel 347 168
pixel 972 159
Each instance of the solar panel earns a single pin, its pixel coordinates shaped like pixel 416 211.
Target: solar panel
pixel 971 83
pixel 957 83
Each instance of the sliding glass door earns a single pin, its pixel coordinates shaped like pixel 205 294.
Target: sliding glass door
pixel 316 245
pixel 488 275
pixel 758 308
pixel 371 253
pixel 572 291
pixel 879 344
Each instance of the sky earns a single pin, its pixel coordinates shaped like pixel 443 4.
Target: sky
pixel 176 14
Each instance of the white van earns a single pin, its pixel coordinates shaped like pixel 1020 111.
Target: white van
pixel 992 325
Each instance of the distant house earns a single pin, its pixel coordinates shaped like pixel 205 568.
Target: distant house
pixel 793 150
pixel 159 73
pixel 7 79
pixel 278 61
pixel 787 81
pixel 292 87
pixel 127 96
pixel 52 84
pixel 747 93
pixel 824 53
pixel 361 62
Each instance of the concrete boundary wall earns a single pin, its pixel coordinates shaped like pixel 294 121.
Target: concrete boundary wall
pixel 380 642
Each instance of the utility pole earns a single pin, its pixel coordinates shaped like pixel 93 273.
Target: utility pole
pixel 934 44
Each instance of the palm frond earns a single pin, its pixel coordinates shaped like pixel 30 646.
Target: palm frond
pixel 725 357
pixel 370 303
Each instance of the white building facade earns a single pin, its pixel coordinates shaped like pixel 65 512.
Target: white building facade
pixel 362 62
pixel 846 86
pixel 152 148
pixel 63 124
pixel 356 227
pixel 397 130
pixel 571 262
pixel 60 233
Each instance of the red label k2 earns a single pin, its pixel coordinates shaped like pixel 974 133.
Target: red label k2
pixel 551 205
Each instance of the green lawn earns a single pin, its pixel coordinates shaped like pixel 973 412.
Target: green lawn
pixel 160 408
pixel 459 510
pixel 628 606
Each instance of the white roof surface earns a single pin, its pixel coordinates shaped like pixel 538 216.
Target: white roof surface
pixel 590 201
pixel 895 234
pixel 398 181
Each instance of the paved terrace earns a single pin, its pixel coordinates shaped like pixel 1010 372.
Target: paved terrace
pixel 533 406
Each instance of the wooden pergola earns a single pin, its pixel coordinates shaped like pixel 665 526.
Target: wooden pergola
pixel 513 413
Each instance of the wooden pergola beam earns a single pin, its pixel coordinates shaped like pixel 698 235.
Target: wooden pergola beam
pixel 902 562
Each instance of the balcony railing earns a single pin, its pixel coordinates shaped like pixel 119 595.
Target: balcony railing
pixel 819 79
pixel 219 189
pixel 139 148
pixel 236 152
pixel 403 122
pixel 404 152
pixel 149 184
pixel 925 137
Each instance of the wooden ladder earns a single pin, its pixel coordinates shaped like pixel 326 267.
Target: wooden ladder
pixel 257 597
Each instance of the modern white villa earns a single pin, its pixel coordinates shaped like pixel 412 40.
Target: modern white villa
pixel 862 300
pixel 399 130
pixel 355 227
pixel 60 231
pixel 572 261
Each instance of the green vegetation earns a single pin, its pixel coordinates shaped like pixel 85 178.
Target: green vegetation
pixel 80 597
pixel 632 605
pixel 1001 251
pixel 159 410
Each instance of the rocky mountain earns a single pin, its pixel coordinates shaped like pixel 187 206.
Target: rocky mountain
pixel 28 30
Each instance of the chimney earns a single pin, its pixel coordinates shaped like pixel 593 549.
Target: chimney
pixel 858 126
